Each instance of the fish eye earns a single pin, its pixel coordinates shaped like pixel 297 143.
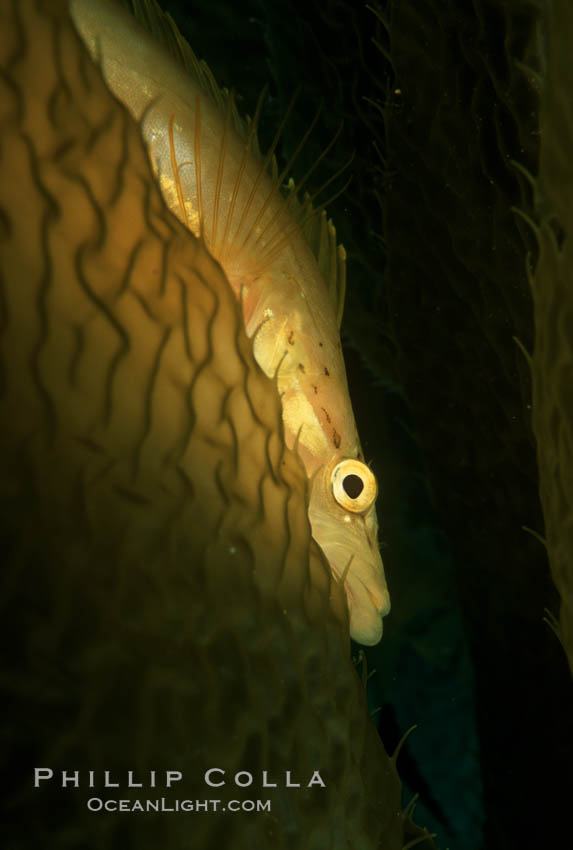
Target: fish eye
pixel 354 486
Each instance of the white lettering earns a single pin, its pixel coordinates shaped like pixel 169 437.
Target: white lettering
pixel 42 773
pixel 243 773
pixel 266 783
pixel 208 777
pixel 290 784
pixel 316 779
pixel 131 783
pixel 72 779
pixel 173 776
pixel 107 781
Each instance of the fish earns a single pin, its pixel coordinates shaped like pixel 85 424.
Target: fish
pixel 214 179
pixel 163 602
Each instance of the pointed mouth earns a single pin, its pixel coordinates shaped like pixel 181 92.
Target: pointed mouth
pixel 367 606
pixel 381 601
pixel 357 589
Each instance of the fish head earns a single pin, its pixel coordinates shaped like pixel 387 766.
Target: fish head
pixel 343 519
pixel 297 340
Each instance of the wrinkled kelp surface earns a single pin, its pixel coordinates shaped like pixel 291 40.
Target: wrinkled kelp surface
pixel 163 605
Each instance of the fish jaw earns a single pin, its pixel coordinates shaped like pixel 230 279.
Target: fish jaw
pixel 350 546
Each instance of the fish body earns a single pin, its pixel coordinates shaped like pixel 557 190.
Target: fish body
pixel 214 181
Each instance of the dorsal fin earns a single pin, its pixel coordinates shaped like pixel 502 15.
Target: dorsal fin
pixel 319 231
pixel 320 234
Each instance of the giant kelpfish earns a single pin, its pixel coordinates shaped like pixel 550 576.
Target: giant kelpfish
pixel 281 258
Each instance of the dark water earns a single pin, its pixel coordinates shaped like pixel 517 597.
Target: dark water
pixel 437 291
pixel 440 391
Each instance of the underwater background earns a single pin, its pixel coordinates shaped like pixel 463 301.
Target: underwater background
pixel 437 104
pixel 439 109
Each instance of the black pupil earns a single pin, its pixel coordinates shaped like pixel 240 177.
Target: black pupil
pixel 353 485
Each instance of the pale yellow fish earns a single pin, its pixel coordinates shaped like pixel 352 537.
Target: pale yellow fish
pixel 214 182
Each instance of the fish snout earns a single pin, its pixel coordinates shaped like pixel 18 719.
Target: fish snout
pixel 380 600
pixel 368 602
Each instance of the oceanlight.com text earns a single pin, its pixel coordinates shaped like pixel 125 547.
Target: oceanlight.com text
pixel 111 804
